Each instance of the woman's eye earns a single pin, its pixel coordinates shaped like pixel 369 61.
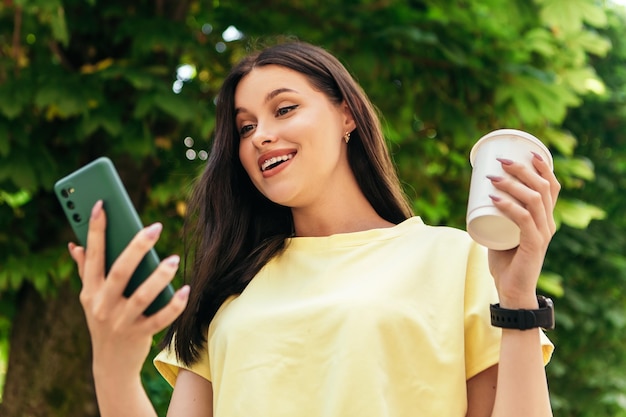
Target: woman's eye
pixel 284 110
pixel 244 130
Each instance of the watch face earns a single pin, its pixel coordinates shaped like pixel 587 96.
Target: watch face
pixel 550 320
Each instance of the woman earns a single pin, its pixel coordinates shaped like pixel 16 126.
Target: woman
pixel 314 291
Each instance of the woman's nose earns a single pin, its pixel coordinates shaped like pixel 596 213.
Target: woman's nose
pixel 263 137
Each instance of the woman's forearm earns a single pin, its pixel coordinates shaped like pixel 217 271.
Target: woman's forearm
pixel 119 397
pixel 522 387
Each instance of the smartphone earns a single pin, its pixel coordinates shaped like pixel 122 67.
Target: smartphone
pixel 99 180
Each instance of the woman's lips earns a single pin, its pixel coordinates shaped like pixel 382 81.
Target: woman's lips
pixel 273 163
pixel 271 160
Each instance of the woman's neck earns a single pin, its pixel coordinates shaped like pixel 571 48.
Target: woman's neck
pixel 343 216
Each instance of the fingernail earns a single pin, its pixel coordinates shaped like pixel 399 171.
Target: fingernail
pixel 494 197
pixel 494 178
pixel 183 293
pixel 173 261
pixel 537 156
pixel 504 161
pixel 96 210
pixel 153 231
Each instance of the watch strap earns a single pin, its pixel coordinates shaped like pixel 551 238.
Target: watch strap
pixel 524 319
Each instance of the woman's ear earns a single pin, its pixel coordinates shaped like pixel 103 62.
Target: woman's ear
pixel 348 122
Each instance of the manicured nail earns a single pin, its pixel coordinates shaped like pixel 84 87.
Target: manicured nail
pixel 537 156
pixel 494 197
pixel 494 178
pixel 153 231
pixel 173 261
pixel 504 161
pixel 96 210
pixel 183 293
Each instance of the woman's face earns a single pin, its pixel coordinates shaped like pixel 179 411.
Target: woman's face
pixel 291 137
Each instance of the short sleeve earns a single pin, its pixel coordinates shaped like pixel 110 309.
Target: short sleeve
pixel 482 340
pixel 547 348
pixel 168 364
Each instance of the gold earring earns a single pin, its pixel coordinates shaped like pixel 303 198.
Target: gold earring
pixel 346 137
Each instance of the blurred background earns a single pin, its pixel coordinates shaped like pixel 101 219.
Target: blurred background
pixel 136 81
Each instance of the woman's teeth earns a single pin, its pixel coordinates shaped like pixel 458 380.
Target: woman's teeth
pixel 274 161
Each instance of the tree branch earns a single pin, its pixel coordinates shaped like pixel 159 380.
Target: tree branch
pixel 56 51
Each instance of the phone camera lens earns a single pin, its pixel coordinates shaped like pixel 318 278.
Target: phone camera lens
pixel 70 205
pixel 76 217
pixel 65 193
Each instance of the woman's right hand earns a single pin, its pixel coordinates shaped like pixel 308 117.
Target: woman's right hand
pixel 121 335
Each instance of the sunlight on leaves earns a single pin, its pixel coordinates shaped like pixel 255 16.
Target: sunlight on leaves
pixel 576 213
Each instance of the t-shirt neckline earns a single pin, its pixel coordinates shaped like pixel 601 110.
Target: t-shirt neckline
pixel 353 238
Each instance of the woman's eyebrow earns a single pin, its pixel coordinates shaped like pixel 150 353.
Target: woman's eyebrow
pixel 278 91
pixel 268 97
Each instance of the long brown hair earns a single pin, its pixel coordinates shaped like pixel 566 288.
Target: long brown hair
pixel 233 229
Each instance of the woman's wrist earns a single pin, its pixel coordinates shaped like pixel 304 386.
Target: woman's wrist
pixel 526 301
pixel 107 374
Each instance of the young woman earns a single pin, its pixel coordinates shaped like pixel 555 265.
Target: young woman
pixel 314 291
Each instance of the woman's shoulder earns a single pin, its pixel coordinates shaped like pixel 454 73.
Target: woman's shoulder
pixel 417 227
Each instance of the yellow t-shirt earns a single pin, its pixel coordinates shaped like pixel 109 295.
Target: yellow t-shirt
pixel 385 322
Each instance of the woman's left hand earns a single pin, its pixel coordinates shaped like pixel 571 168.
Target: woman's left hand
pixel 516 271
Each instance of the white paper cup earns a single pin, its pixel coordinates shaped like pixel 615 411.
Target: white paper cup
pixel 485 223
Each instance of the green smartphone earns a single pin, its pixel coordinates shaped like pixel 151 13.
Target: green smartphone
pixel 99 180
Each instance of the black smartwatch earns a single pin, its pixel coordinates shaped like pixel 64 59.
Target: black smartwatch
pixel 524 319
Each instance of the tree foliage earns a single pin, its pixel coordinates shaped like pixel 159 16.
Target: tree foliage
pixel 590 365
pixel 136 81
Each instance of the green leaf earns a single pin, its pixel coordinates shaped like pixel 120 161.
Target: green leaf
pixel 541 41
pixel 23 176
pixel 576 213
pixel 105 118
pixel 616 317
pixel 14 97
pixel 569 15
pixel 551 283
pixel 59 26
pixel 576 167
pixel 136 140
pixel 15 200
pixel 583 80
pixel 589 41
pixel 140 80
pixel 144 104
pixel 563 141
pixel 65 269
pixel 535 99
pixel 527 107
pixel 60 100
pixel 176 106
pixel 39 278
pixel 15 278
